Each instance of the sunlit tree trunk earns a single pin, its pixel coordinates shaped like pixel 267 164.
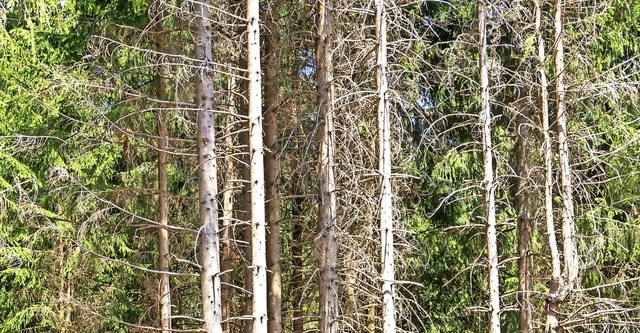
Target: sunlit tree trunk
pixel 489 187
pixel 272 169
pixel 256 158
pixel 207 173
pixel 552 307
pixel 567 281
pixel 164 292
pixel 326 241
pixel 384 160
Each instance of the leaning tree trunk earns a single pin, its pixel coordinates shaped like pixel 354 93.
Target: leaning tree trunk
pixel 256 159
pixel 489 187
pixel 271 169
pixel 208 182
pixel 386 205
pixel 326 241
pixel 164 292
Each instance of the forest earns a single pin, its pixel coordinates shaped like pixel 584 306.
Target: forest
pixel 319 166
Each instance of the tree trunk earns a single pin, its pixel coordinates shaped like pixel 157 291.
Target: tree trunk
pixel 208 182
pixel 228 258
pixel 565 284
pixel 256 158
pixel 552 307
pixel 384 160
pixel 523 207
pixel 272 169
pixel 326 241
pixel 489 187
pixel 164 292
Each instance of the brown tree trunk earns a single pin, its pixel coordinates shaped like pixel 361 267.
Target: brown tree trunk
pixel 228 257
pixel 207 175
pixel 164 292
pixel 271 170
pixel 326 241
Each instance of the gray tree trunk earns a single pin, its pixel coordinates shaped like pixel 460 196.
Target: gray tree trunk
pixel 207 174
pixel 326 241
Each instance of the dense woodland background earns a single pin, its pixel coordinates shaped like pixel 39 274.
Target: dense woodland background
pixel 500 139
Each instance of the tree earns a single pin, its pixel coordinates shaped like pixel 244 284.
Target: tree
pixel 164 291
pixel 384 160
pixel 489 186
pixel 256 158
pixel 272 170
pixel 207 174
pixel 326 243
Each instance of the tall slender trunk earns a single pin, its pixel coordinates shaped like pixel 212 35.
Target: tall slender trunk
pixel 384 160
pixel 256 158
pixel 326 241
pixel 207 173
pixel 272 169
pixel 244 206
pixel 489 187
pixel 228 257
pixel 523 207
pixel 570 272
pixel 552 307
pixel 164 292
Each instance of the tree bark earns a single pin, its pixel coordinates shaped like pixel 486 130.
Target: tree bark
pixel 164 292
pixel 326 241
pixel 565 283
pixel 523 207
pixel 552 307
pixel 384 160
pixel 207 173
pixel 228 258
pixel 489 187
pixel 256 157
pixel 272 169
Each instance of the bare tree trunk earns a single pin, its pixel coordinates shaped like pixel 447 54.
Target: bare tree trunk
pixel 208 182
pixel 568 225
pixel 489 187
pixel 523 207
pixel 297 280
pixel 326 241
pixel 272 169
pixel 384 160
pixel 227 216
pixel 565 284
pixel 552 307
pixel 244 209
pixel 164 292
pixel 256 157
